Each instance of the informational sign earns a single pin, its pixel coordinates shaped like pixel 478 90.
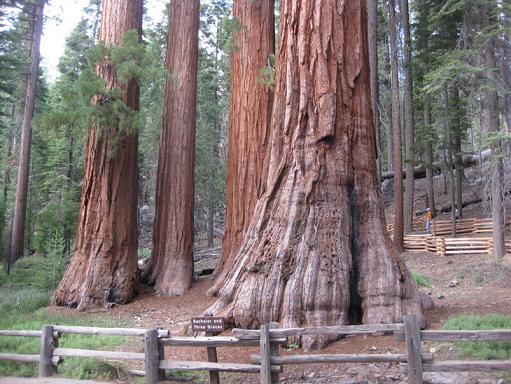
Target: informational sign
pixel 208 324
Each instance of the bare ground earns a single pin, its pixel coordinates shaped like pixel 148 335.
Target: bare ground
pixel 477 289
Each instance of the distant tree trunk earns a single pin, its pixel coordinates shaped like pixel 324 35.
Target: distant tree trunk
pixel 428 156
pixel 316 251
pixel 171 264
pixel 36 10
pixel 373 63
pixel 449 162
pixel 249 124
pixel 104 265
pixel 390 138
pixel 491 125
pixel 396 132
pixel 409 117
pixel 211 220
pixel 459 175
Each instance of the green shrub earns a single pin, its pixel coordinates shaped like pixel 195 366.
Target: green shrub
pixel 421 280
pixel 482 350
pixel 38 271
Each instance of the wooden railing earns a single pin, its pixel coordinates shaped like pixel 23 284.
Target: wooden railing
pixel 451 245
pixel 473 226
pixel 268 363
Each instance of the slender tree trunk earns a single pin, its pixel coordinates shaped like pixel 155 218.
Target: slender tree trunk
pixel 373 62
pixel 20 200
pixel 491 125
pixel 449 162
pixel 388 112
pixel 104 264
pixel 408 116
pixel 458 166
pixel 396 132
pixel 316 251
pixel 428 156
pixel 249 124
pixel 211 217
pixel 171 264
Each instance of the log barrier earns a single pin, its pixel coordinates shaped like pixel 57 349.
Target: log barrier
pixel 268 364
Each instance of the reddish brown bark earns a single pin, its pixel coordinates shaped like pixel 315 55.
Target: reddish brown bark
pixel 396 132
pixel 316 251
pixel 171 264
pixel 20 200
pixel 104 265
pixel 249 123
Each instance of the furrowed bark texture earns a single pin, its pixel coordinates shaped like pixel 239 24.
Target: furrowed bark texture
pixel 104 265
pixel 171 264
pixel 20 200
pixel 409 116
pixel 316 251
pixel 250 115
pixel 396 132
pixel 249 123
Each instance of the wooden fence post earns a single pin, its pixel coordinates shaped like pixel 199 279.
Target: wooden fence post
pixel 266 377
pixel 413 350
pixel 152 357
pixel 46 368
pixel 274 351
pixel 214 376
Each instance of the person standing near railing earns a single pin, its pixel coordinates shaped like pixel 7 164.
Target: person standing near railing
pixel 428 218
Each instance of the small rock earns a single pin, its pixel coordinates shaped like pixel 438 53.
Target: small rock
pixel 440 296
pixel 453 283
pixel 373 348
pixel 426 301
pixel 502 381
pixel 353 371
pixel 432 350
pixel 373 368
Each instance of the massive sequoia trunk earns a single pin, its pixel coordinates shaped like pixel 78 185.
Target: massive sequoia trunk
pixel 316 251
pixel 20 200
pixel 171 264
pixel 396 131
pixel 249 123
pixel 104 265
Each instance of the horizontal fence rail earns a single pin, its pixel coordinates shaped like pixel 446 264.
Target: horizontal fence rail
pixel 268 363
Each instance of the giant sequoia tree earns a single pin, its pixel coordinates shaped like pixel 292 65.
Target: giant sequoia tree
pixel 104 265
pixel 249 122
pixel 171 264
pixel 316 250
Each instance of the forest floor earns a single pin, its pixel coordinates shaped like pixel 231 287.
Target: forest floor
pixel 458 285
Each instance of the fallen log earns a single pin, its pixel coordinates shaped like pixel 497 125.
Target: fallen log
pixel 419 172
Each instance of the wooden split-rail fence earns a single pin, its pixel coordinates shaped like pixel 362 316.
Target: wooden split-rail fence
pixel 268 363
pixel 476 238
